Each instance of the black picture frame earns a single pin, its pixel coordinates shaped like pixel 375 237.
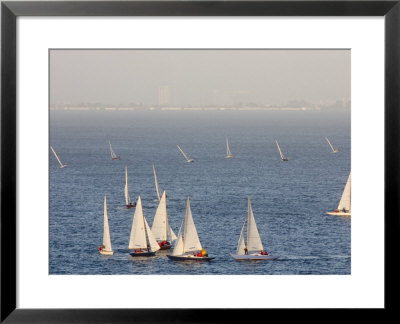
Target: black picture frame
pixel 10 10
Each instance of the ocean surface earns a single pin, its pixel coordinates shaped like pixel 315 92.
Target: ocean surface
pixel 289 199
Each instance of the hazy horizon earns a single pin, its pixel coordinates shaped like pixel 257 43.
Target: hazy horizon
pixel 199 77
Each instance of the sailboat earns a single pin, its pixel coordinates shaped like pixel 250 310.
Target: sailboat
pixel 106 248
pixel 344 207
pixel 333 149
pixel 128 202
pixel 250 247
pixel 113 155
pixel 155 180
pixel 280 152
pixel 229 155
pixel 188 246
pixel 58 159
pixel 188 159
pixel 141 240
pixel 161 229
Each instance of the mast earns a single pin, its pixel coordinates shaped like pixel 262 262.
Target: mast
pixel 155 180
pixel 228 152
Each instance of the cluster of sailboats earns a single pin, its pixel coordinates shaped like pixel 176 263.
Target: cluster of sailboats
pixel 145 241
pixel 189 159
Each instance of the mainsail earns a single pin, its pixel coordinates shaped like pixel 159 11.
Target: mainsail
pixel 155 180
pixel 280 151
pixel 141 236
pixel 127 197
pixel 58 159
pixel 106 230
pixel 160 228
pixel 188 159
pixel 345 201
pixel 333 150
pixel 253 237
pixel 228 151
pixel 191 241
pixel 113 155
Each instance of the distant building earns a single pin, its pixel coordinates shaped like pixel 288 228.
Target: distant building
pixel 164 95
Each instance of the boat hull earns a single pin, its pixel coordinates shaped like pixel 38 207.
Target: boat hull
pixel 103 252
pixel 116 158
pixel 339 214
pixel 230 156
pixel 253 257
pixel 131 205
pixel 188 258
pixel 142 254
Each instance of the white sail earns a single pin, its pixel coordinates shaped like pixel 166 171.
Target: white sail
pixel 228 151
pixel 241 244
pixel 58 159
pixel 191 241
pixel 178 248
pixel 188 159
pixel 345 201
pixel 155 180
pixel 253 237
pixel 161 229
pixel 150 237
pixel 280 151
pixel 106 230
pixel 160 221
pixel 127 198
pixel 333 150
pixel 137 238
pixel 170 234
pixel 113 155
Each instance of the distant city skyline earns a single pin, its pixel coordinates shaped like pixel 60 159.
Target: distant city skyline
pixel 199 77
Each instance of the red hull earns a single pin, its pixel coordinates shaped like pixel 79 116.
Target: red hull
pixel 117 158
pixel 131 205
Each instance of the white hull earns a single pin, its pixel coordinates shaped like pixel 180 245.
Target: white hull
pixel 189 161
pixel 103 252
pixel 339 213
pixel 253 257
pixel 230 156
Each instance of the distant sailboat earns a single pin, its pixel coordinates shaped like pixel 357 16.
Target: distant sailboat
pixel 280 152
pixel 250 247
pixel 141 240
pixel 156 182
pixel 344 207
pixel 128 202
pixel 333 149
pixel 113 155
pixel 161 229
pixel 229 155
pixel 106 248
pixel 188 159
pixel 188 246
pixel 58 159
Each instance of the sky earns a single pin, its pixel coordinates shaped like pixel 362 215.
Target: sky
pixel 198 77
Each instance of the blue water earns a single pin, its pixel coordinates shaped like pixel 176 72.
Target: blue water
pixel 289 199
